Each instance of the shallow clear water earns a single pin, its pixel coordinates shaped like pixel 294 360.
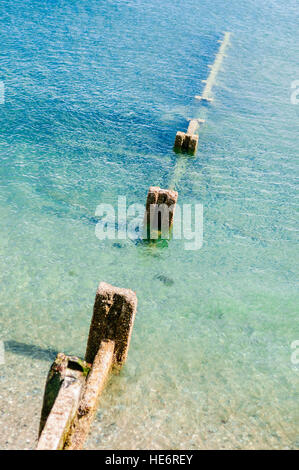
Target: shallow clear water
pixel 95 92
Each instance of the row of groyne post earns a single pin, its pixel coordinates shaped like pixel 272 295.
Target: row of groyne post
pixel 188 141
pixel 73 385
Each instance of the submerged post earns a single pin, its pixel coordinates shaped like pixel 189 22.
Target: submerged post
pixel 73 386
pixel 214 69
pixel 159 212
pixel 188 141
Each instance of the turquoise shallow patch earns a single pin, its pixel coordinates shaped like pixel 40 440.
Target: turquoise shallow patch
pixel 94 95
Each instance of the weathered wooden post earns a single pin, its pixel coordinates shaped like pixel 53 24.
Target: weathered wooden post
pixel 74 386
pixel 159 212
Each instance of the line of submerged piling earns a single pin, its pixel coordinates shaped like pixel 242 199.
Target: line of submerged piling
pixel 73 386
pixel 188 141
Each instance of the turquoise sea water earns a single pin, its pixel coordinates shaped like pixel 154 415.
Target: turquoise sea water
pixel 95 92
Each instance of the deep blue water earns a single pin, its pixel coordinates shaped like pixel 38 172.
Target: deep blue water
pixel 95 92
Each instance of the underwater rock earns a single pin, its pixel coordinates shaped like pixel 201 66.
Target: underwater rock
pixel 165 279
pixel 117 245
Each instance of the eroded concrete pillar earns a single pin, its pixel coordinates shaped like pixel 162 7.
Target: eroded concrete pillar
pixel 179 139
pixel 113 318
pixel 54 381
pixel 63 412
pixel 94 386
pixel 159 212
pixel 188 141
pixel 73 386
